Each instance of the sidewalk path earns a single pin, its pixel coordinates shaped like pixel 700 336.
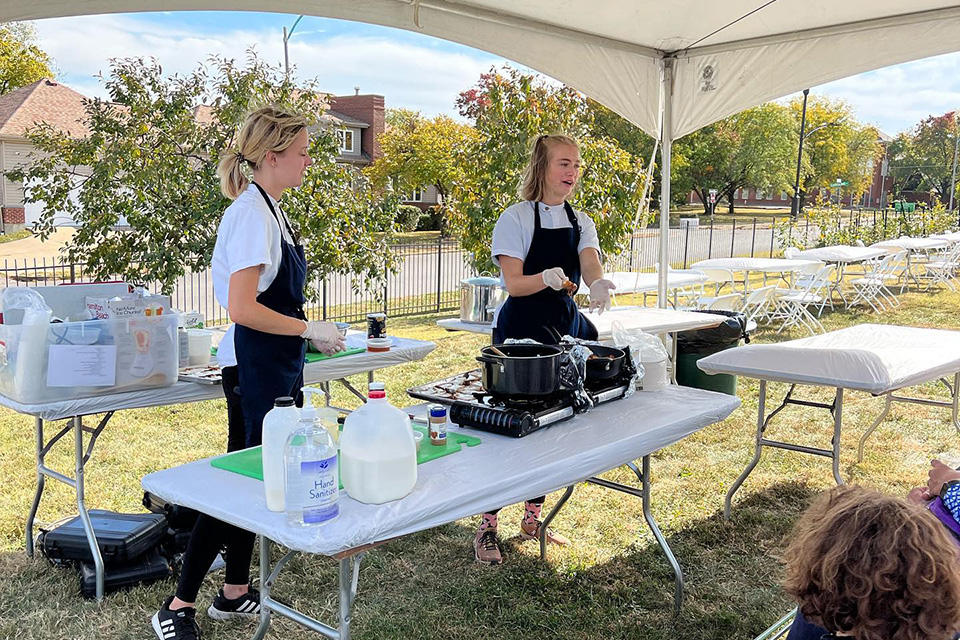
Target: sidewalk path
pixel 32 248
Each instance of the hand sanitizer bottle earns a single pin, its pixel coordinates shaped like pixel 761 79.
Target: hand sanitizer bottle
pixel 312 481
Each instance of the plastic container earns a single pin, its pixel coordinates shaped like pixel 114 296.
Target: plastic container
pixel 655 375
pixel 200 342
pixel 378 454
pixel 312 484
pixel 42 362
pixel 378 345
pixel 278 424
pixel 120 536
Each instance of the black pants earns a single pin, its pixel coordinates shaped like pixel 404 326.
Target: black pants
pixel 209 534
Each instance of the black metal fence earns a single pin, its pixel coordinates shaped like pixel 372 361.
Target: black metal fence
pixel 428 274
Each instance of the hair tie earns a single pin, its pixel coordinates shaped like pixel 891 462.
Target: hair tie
pixel 240 157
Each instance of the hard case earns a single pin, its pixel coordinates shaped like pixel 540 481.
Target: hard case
pixel 120 536
pixel 148 568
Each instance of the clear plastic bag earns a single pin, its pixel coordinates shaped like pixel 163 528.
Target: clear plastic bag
pixel 648 353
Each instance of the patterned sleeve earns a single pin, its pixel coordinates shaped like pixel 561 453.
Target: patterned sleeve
pixel 952 501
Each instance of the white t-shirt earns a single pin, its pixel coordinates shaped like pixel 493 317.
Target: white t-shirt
pixel 513 232
pixel 248 235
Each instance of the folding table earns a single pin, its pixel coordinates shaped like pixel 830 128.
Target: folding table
pixel 404 350
pixel 877 359
pixel 841 255
pixel 911 246
pixel 499 471
pixel 755 265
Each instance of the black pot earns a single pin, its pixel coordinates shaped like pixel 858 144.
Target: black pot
pixel 525 370
pixel 608 365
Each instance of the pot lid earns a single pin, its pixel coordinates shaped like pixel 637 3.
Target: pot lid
pixel 483 281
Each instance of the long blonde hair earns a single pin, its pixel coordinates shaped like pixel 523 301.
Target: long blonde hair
pixel 266 129
pixel 531 187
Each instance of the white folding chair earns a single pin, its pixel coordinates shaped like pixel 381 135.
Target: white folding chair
pixel 790 253
pixel 728 302
pixel 873 289
pixel 719 278
pixel 761 304
pixel 793 303
pixel 943 269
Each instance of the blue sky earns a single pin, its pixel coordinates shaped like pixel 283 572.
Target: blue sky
pixel 410 70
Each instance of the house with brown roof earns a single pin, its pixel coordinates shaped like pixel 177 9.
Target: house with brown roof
pixel 43 101
pixel 358 120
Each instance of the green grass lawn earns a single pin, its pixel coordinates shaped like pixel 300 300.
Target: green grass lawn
pixel 612 582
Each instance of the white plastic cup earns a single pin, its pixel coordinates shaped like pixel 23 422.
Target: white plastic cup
pixel 200 342
pixel 655 375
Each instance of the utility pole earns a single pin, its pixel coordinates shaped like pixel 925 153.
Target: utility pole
pixel 286 38
pixel 795 208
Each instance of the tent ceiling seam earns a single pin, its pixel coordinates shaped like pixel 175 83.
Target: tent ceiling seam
pixel 510 20
pixel 819 32
pixel 729 24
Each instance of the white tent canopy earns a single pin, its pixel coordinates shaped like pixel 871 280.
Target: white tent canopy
pixel 669 67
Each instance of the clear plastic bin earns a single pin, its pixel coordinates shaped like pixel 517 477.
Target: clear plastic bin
pixel 50 362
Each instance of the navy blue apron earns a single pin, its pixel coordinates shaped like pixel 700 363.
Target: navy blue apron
pixel 271 366
pixel 526 316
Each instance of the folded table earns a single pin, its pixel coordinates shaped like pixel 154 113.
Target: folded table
pixel 877 359
pixel 499 471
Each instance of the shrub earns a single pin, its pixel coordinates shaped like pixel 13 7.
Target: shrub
pixel 408 218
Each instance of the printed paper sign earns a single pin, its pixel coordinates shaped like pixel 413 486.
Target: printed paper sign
pixel 82 366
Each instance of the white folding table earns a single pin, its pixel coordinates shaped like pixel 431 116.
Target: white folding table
pixel 842 255
pixel 322 372
pixel 754 265
pixel 912 246
pixel 499 471
pixel 877 359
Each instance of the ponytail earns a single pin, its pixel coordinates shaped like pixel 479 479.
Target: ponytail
pixel 232 180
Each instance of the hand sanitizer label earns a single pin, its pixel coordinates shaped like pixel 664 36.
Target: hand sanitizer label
pixel 320 483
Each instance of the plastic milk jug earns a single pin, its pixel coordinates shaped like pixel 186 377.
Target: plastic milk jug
pixel 312 481
pixel 378 455
pixel 277 426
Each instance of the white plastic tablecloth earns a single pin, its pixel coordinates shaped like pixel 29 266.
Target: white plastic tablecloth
pixel 630 282
pixel 762 265
pixel 498 472
pixel 913 244
pixel 403 350
pixel 867 357
pixel 842 254
pixel 651 320
pixel 952 237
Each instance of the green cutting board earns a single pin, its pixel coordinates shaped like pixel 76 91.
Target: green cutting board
pixel 249 462
pixel 316 357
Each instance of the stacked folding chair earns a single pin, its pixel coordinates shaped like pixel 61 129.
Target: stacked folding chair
pixel 873 288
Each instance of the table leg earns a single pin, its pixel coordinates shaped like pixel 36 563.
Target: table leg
pixel 266 584
pixel 41 480
pixel 758 449
pixel 876 423
pixel 550 516
pixel 644 494
pixel 82 507
pixel 955 401
pixel 837 424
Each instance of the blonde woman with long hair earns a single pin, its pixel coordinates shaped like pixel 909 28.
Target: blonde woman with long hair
pixel 259 271
pixel 543 248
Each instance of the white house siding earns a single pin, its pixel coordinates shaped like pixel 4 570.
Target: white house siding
pixel 14 154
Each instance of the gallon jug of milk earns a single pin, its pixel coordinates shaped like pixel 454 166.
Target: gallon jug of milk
pixel 277 426
pixel 378 455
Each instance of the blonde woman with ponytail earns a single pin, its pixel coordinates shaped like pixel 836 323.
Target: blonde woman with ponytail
pixel 259 271
pixel 543 248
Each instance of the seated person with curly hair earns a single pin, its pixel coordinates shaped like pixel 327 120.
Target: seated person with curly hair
pixel 872 567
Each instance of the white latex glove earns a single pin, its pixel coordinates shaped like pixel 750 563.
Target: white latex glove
pixel 554 278
pixel 324 336
pixel 600 294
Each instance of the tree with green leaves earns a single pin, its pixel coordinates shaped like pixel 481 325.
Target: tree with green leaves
pixel 150 159
pixel 753 148
pixel 509 109
pixel 22 61
pixel 420 151
pixel 836 146
pixel 922 160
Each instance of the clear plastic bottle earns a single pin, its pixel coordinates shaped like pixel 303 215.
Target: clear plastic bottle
pixel 277 425
pixel 312 487
pixel 378 452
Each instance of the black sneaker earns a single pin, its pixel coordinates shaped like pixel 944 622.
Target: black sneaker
pixel 175 625
pixel 246 606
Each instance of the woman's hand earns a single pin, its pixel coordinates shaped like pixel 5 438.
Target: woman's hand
pixel 600 294
pixel 324 336
pixel 939 474
pixel 554 278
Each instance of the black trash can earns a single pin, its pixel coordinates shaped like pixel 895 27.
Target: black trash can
pixel 693 345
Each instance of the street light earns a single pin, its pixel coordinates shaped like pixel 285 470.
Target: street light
pixel 286 39
pixel 795 205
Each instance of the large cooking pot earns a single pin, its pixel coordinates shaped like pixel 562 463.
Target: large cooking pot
pixel 523 371
pixel 479 298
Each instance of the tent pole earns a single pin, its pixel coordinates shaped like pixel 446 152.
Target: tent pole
pixel 666 137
